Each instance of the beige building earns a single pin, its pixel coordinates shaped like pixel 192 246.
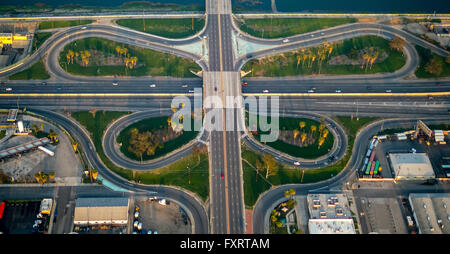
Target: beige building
pixel 411 166
pixel 101 211
pixel 431 212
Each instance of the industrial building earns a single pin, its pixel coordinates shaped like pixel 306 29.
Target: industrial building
pixel 101 211
pixel 411 166
pixel 431 212
pixel 329 214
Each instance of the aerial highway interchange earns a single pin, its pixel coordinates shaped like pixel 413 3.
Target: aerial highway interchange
pixel 382 95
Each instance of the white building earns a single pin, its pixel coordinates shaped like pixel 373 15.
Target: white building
pixel 329 214
pixel 101 211
pixel 411 166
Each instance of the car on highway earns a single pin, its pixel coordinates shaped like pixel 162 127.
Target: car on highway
pixel 215 88
pixel 221 176
pixel 249 56
pixel 84 27
pixel 44 83
pixel 115 83
pixel 191 91
pixel 244 83
pixel 430 98
pixel 322 33
pixel 339 91
pixel 297 163
pixel 389 91
pixel 266 91
pixel 439 84
pixel 153 85
pixel 184 86
pixel 312 35
pixel 311 91
pixel 285 40
pixel 8 89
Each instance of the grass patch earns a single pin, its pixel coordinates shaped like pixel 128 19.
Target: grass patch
pixel 287 174
pixel 169 28
pixel 64 23
pixel 174 174
pixel 2 134
pixel 149 62
pixel 39 39
pixel 36 71
pixel 286 64
pixel 425 56
pixel 311 151
pixel 285 27
pixel 152 124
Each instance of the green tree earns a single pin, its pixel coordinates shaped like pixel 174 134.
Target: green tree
pixel 434 67
pixel 397 44
pixel 270 164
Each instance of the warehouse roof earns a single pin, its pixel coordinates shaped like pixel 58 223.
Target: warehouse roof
pixel 99 202
pixel 411 165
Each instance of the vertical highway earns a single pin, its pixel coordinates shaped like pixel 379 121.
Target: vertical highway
pixel 222 81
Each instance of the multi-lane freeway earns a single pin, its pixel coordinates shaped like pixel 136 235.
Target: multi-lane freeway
pixel 386 94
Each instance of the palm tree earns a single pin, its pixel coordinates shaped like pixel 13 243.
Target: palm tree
pixel 303 137
pixel 302 125
pixel 35 128
pixel 41 126
pixel 270 164
pixel 313 128
pixel 94 174
pixel 52 134
pixel 321 140
pixel 296 132
pixel 325 133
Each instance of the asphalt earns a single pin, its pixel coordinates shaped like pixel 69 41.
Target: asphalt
pixel 268 200
pixel 194 205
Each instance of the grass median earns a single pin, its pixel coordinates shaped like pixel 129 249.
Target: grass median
pixel 191 172
pixel 350 56
pixel 102 57
pixel 294 146
pixel 433 71
pixel 255 182
pixel 64 23
pixel 153 125
pixel 271 28
pixel 169 28
pixel 36 71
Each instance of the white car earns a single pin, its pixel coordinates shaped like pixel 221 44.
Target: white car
pixel 184 86
pixel 388 91
pixel 191 91
pixel 312 35
pixel 297 163
pixel 83 28
pixel 285 40
pixel 153 85
pixel 115 83
pixel 8 89
pixel 265 91
pixel 310 91
pixel 338 91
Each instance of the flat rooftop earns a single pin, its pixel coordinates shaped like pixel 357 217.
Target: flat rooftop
pixel 431 212
pixel 411 165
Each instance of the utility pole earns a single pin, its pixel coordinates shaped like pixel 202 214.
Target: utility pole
pixel 143 19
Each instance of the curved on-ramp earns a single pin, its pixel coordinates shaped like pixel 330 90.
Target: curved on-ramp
pixel 192 204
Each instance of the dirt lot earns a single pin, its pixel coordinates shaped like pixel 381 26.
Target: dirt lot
pixel 165 219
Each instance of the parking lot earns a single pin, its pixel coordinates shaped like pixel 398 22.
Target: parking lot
pixel 434 152
pixel 383 215
pixel 19 217
pixel 164 219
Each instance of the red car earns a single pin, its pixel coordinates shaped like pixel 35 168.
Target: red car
pixel 245 83
pixel 221 175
